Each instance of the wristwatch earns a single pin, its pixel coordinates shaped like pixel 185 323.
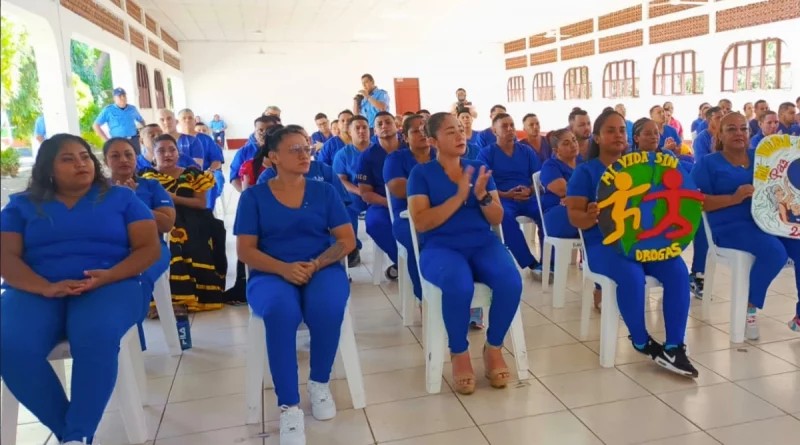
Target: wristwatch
pixel 486 200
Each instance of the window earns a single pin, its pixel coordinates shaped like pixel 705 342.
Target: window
pixel 159 84
pixel 543 88
pixel 143 84
pixel 756 65
pixel 576 83
pixel 516 89
pixel 676 75
pixel 620 79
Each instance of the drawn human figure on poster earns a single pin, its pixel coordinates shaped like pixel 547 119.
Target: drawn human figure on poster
pixel 776 180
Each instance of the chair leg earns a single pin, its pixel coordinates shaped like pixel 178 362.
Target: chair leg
pixel 377 265
pixel 520 349
pixel 166 315
pixel 434 344
pixel 137 358
pixel 352 363
pixel 740 287
pixel 407 298
pixel 254 377
pixel 609 325
pixel 9 416
pixel 560 281
pixel 708 286
pixel 586 308
pixel 547 253
pixel 128 392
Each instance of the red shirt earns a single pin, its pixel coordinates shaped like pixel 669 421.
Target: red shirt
pixel 677 126
pixel 247 169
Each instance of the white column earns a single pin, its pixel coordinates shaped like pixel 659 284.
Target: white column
pixel 178 92
pixel 123 70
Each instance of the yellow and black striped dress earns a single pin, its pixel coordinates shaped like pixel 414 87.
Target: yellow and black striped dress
pixel 197 244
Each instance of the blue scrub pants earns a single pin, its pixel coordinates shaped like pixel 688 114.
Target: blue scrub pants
pixel 320 303
pixel 455 271
pixel 630 278
pixel 379 228
pixel 770 252
pixel 700 250
pixel 357 205
pixel 402 232
pixel 148 280
pixel 512 233
pixel 557 223
pixel 94 323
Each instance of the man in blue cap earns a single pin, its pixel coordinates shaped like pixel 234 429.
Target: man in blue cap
pixel 121 119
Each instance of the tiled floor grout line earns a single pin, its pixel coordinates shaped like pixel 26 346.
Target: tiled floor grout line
pixel 166 404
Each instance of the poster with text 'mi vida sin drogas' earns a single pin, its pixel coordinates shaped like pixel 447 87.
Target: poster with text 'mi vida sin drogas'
pixel 776 183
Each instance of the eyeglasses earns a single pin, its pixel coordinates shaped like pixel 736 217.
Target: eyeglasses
pixel 297 149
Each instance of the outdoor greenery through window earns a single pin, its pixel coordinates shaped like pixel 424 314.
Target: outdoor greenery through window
pixel 576 83
pixel 676 74
pixel 621 79
pixel 543 88
pixel 516 89
pixel 756 65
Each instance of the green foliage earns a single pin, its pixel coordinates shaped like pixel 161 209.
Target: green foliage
pixel 9 162
pixel 93 139
pixel 24 107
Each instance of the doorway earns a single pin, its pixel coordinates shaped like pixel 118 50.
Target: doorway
pixel 406 93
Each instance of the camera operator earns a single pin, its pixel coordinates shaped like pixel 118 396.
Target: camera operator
pixel 370 101
pixel 463 104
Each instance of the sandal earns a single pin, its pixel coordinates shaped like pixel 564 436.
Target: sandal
pixel 464 381
pixel 498 376
pixel 598 300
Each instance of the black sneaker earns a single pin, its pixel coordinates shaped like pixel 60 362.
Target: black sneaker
pixel 651 349
pixel 391 272
pixel 696 283
pixel 353 258
pixel 675 360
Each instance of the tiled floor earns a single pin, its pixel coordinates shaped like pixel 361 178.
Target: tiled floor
pixel 746 394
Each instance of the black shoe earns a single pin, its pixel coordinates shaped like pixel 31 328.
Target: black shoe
pixel 675 360
pixel 696 284
pixel 391 272
pixel 353 258
pixel 651 349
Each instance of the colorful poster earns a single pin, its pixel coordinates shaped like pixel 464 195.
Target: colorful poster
pixel 650 208
pixel 776 180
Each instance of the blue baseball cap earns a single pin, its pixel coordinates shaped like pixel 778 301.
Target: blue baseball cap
pixel 119 92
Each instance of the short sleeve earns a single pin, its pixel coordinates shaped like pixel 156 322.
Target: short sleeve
pixel 11 219
pixel 325 155
pixel 337 213
pixel 102 118
pixel 160 196
pixel 700 146
pixel 702 177
pixel 534 164
pixel 137 116
pixel 337 184
pixel 266 175
pixel 39 128
pixel 316 137
pixel 393 167
pixel 339 166
pixel 678 138
pixel 491 185
pixel 382 96
pixel 246 222
pixel 364 175
pixel 580 184
pixel 549 173
pixel 135 210
pixel 196 149
pixel 418 184
pixel 484 155
pixel 213 153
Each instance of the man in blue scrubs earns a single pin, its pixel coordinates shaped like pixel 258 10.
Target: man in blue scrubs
pixel 212 155
pixel 329 149
pixel 487 136
pixel 372 187
pixel 512 165
pixel 121 119
pixel 248 152
pixel 218 127
pixel 345 165
pixel 768 125
pixel 700 123
pixel 787 124
pixel 725 105
pixel 318 138
pixel 759 109
pixel 39 130
pixel 371 100
pixel 188 145
pixel 704 143
pixel 670 140
pixel 581 126
pixel 273 110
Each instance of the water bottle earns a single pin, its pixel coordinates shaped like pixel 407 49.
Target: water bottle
pixel 184 332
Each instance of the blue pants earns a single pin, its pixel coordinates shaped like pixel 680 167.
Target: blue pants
pixel 357 205
pixel 148 280
pixel 402 232
pixel 557 223
pixel 219 138
pixel 455 272
pixel 379 228
pixel 320 303
pixel 770 252
pixel 630 278
pixel 512 233
pixel 700 251
pixel 93 323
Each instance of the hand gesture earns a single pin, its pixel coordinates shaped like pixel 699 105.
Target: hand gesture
pixel 296 273
pixel 744 192
pixel 465 183
pixel 670 144
pixel 364 93
pixel 481 181
pixel 95 278
pixel 130 183
pixel 592 211
pixel 63 289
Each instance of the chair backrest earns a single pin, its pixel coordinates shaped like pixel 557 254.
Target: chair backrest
pixel 389 200
pixel 537 187
pixel 711 246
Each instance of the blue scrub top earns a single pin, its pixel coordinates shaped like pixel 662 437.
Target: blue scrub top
pixel 475 139
pixel 699 125
pixel 669 132
pixel 629 130
pixel 755 140
pixel 399 165
pixel 509 172
pixel 211 151
pixel 553 169
pixel 288 234
pixel 368 110
pixel 121 121
pixel 545 151
pixel 244 154
pixel 317 136
pixel 487 137
pixel 714 175
pixel 583 183
pixel 754 128
pixel 473 150
pixel 346 162
pixel 153 195
pixel 467 227
pixel 39 128
pixel 184 161
pixel 329 149
pixel 191 146
pixel 216 126
pixel 370 168
pixel 701 146
pixel 317 171
pixel 60 243
pixel 794 130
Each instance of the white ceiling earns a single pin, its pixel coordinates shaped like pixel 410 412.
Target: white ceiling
pixel 310 21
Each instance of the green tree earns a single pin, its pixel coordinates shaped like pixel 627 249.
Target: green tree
pixel 25 106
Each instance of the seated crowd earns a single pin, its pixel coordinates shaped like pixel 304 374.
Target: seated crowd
pixel 302 199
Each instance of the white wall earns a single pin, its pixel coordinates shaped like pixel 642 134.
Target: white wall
pixel 234 81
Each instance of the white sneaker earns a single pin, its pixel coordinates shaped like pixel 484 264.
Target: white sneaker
pixel 293 429
pixel 751 331
pixel 322 405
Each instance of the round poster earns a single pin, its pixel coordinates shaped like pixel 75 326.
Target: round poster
pixel 650 208
pixel 776 180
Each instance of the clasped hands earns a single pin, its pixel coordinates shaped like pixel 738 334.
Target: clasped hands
pixel 65 288
pixel 300 272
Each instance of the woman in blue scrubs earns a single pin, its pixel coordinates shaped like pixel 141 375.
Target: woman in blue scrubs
pixel 454 202
pixel 608 145
pixel 120 158
pixel 726 177
pixel 556 171
pixel 67 280
pixel 293 233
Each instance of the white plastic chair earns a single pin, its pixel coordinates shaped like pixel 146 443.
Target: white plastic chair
pixel 129 391
pixel 563 251
pixel 258 367
pixel 740 263
pixel 407 298
pixel 162 295
pixel 434 333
